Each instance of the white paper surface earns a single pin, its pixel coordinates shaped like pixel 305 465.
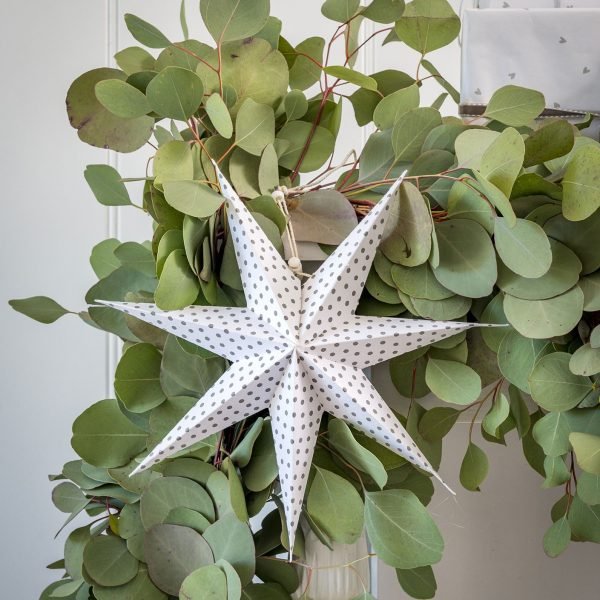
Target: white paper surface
pixel 554 51
pixel 296 351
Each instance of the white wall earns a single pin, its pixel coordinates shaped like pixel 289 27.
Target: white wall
pixel 51 373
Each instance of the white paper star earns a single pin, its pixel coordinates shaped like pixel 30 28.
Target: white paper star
pixel 296 351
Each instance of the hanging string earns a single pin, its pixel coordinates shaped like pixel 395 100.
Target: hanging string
pixel 294 262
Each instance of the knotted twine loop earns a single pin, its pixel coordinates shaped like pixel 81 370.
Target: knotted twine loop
pixel 294 262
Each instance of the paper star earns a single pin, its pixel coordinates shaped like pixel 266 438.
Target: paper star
pixel 296 351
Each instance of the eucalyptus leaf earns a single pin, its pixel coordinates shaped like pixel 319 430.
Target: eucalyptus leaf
pixel 401 531
pixel 426 25
pixel 587 451
pixel 341 522
pixel 581 184
pixel 411 130
pixel 553 386
pixel 96 125
pixel 145 33
pixel 121 99
pixel 524 248
pixel 108 562
pixel 545 318
pixel 107 185
pixel 231 540
pixel 341 438
pixel 40 308
pixel 173 553
pixel 230 20
pixel 418 583
pixel 467 258
pixel 104 437
pixel 474 468
pixel 452 381
pixel 514 105
pixel 175 93
pixel 254 127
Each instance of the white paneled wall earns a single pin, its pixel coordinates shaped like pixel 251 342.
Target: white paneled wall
pixel 51 373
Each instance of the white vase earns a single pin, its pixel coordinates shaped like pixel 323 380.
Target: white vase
pixel 341 574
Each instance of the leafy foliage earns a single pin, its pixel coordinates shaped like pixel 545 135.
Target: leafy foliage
pixel 496 222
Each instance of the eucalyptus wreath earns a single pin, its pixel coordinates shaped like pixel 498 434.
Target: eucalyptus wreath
pixel 497 222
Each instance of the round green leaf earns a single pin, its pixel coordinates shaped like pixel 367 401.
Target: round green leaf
pixel 295 104
pixel 393 106
pixel 230 20
pixel 584 521
pixel 137 378
pixel 452 381
pixel 581 184
pixel 411 130
pixel 231 540
pixel 108 562
pixel 104 437
pixel 167 493
pixel 139 588
pixel 135 59
pixel 173 162
pixel 342 522
pixel 418 583
pixel 551 140
pixel 205 583
pixel 557 538
pixel 590 286
pixel 427 25
pixel 218 113
pixel 467 258
pixel 588 488
pixel 262 469
pixel 409 243
pixel 254 127
pixel 515 106
pixel 178 286
pixel 587 450
pixel 106 185
pixel 254 70
pixel 545 318
pixel 517 355
pixel 296 133
pixel 562 275
pixel 68 498
pixel 192 198
pixel 339 10
pixel 553 386
pixel 437 422
pixel 418 282
pixel 186 517
pixel 40 308
pixel 474 468
pixel 585 361
pixel 175 93
pixel 502 161
pixel 579 236
pixel 341 438
pixel 172 553
pixel 121 99
pixel 145 33
pixel 96 125
pixel 401 531
pixel 524 248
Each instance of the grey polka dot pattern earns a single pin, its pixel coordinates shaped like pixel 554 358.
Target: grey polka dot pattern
pixel 295 351
pixel 334 290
